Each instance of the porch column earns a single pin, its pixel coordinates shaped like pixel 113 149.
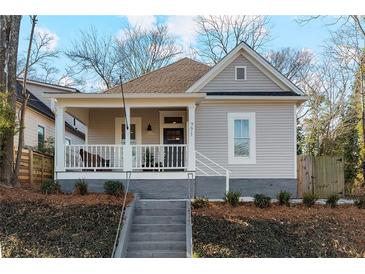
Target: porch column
pixel 127 152
pixel 60 138
pixel 191 138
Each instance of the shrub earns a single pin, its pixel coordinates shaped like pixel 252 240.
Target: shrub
pixel 232 197
pixel 115 188
pixel 309 199
pixel 261 200
pixel 50 187
pixel 284 197
pixel 80 187
pixel 360 202
pixel 200 202
pixel 332 200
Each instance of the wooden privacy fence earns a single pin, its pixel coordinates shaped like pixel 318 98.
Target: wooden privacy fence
pixel 322 175
pixel 35 167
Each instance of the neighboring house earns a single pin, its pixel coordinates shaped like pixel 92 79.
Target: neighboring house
pixel 230 127
pixel 40 119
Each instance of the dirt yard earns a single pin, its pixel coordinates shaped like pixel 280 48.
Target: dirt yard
pixel 246 231
pixel 37 225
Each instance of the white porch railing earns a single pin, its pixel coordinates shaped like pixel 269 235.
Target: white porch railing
pixel 159 157
pixel 93 157
pixel 108 157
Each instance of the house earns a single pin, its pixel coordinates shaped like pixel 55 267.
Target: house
pixel 40 119
pixel 191 129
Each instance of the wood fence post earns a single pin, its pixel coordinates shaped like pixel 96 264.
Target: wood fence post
pixel 42 169
pixel 30 165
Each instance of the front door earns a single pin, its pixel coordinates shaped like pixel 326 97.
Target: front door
pixel 174 155
pixel 173 136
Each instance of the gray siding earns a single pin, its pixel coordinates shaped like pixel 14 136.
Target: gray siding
pixel 102 124
pixel 256 80
pixel 40 93
pixel 32 120
pixel 275 145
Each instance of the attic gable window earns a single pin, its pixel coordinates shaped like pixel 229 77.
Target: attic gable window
pixel 240 73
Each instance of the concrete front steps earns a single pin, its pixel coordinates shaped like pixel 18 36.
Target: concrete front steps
pixel 158 230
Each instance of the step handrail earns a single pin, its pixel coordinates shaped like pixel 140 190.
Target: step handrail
pixel 205 157
pixel 226 171
pixel 121 218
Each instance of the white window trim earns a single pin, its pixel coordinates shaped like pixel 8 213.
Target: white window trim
pixel 235 73
pixel 44 132
pixel 69 139
pixel 173 113
pixel 251 117
pixel 119 121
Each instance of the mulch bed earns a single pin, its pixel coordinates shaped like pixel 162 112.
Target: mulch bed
pixel 37 225
pixel 246 231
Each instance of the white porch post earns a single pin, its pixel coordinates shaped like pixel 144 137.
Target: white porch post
pixel 127 152
pixel 60 138
pixel 191 138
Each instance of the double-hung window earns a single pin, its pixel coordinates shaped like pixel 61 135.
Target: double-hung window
pixel 41 137
pixel 241 138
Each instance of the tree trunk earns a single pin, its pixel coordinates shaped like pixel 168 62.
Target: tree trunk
pixel 9 39
pixel 362 101
pixel 25 97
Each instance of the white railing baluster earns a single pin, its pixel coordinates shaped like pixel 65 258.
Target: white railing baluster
pixel 150 157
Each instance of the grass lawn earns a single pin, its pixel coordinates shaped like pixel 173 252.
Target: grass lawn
pixel 246 231
pixel 37 225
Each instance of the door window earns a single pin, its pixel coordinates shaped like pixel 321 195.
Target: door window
pixel 133 134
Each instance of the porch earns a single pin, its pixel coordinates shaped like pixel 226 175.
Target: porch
pixel 152 138
pixel 147 137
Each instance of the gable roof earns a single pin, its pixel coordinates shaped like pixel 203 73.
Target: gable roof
pixel 270 70
pixel 54 86
pixel 34 102
pixel 174 78
pixel 37 105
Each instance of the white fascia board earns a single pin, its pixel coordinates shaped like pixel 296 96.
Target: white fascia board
pixel 259 98
pixel 214 71
pixel 230 57
pixel 273 70
pixel 126 95
pixel 36 83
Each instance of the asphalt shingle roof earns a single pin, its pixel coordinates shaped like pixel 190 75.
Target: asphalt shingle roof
pixel 41 107
pixel 174 78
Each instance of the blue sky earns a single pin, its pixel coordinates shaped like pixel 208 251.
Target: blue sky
pixel 285 30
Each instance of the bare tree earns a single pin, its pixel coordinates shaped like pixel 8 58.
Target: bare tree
pixel 346 45
pixel 218 35
pixel 297 65
pixel 9 39
pixel 141 51
pixel 95 54
pixel 292 63
pixel 41 60
pixel 328 86
pixel 24 102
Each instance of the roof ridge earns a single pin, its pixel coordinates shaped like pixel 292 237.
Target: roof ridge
pixel 156 70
